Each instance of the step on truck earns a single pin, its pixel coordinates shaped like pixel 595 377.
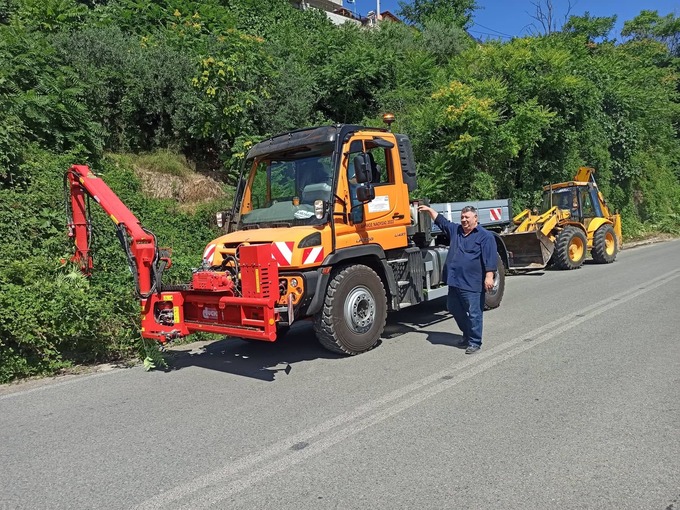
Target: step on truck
pixel 322 227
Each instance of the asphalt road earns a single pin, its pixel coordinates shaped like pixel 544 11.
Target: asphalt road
pixel 573 402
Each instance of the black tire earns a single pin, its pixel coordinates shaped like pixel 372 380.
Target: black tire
pixel 605 245
pixel 570 248
pixel 354 311
pixel 493 298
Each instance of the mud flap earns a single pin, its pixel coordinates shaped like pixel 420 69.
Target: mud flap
pixel 528 250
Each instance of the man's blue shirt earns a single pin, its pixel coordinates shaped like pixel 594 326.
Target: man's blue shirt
pixel 470 256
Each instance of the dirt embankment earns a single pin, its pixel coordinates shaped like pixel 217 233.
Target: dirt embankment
pixel 188 189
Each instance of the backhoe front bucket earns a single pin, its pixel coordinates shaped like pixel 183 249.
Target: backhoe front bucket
pixel 528 250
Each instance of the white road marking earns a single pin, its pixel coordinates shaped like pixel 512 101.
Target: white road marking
pixel 225 482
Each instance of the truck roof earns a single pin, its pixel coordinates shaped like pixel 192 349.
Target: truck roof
pixel 307 136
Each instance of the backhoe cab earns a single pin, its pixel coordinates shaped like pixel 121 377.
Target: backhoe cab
pixel 574 218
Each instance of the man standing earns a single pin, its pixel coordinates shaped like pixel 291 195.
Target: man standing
pixel 469 271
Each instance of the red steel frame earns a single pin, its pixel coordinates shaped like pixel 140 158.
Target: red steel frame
pixel 213 303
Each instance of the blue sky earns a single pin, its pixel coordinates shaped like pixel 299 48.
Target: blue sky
pixel 506 18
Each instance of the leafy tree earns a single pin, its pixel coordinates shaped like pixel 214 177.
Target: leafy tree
pixel 456 12
pixel 41 101
pixel 650 25
pixel 351 75
pixel 592 27
pixel 7 7
pixel 51 15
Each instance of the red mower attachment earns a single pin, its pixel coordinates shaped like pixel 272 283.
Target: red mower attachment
pixel 238 300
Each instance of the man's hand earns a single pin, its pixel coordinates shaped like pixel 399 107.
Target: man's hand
pixel 488 280
pixel 429 210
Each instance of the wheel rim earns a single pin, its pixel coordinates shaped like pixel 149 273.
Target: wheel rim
pixel 609 243
pixel 360 310
pixel 576 249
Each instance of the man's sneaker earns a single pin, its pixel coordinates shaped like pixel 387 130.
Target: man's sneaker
pixel 473 349
pixel 461 344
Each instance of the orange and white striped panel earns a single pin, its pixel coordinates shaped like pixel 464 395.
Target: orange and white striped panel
pixel 312 255
pixel 283 252
pixel 209 253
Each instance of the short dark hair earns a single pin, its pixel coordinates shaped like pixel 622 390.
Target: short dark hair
pixel 468 208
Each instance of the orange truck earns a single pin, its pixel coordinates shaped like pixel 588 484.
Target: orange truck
pixel 322 227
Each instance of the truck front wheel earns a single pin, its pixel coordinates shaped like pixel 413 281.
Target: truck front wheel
pixel 354 311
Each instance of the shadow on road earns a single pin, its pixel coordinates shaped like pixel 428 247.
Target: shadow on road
pixel 416 318
pixel 264 360
pixel 256 359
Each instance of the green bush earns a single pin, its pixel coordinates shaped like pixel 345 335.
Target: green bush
pixel 51 317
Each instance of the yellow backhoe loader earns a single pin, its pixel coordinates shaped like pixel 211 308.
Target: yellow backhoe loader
pixel 573 219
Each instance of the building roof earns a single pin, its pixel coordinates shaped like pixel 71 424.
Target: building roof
pixel 388 16
pixel 339 14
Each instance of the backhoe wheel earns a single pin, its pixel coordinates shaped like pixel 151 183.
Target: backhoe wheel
pixel 570 248
pixel 354 311
pixel 605 245
pixel 493 297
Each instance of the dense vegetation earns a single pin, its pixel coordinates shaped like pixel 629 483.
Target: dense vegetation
pixel 87 80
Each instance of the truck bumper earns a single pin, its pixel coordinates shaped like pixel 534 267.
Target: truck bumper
pixel 191 312
pixel 213 305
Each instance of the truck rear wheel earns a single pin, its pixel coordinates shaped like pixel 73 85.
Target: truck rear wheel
pixel 605 245
pixel 354 311
pixel 493 297
pixel 570 248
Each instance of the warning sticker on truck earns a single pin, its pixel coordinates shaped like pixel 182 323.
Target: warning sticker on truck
pixel 379 204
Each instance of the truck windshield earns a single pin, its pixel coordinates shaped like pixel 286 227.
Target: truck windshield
pixel 283 189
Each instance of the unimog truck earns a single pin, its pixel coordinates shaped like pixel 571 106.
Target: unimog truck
pixel 322 227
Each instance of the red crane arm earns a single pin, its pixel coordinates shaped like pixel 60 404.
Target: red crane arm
pixel 241 302
pixel 139 243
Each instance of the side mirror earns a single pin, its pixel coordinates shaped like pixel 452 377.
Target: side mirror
pixel 362 168
pixel 365 193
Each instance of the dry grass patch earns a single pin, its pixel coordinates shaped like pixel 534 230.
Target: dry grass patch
pixel 167 175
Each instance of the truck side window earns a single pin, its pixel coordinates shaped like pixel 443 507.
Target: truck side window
pixel 357 210
pixel 380 160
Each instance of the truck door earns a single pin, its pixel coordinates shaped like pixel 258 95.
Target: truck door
pixel 383 219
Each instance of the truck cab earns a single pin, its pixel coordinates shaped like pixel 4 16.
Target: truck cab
pixel 334 203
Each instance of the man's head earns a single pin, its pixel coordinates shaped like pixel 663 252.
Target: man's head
pixel 468 218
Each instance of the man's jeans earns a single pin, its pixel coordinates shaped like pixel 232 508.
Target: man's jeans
pixel 466 307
